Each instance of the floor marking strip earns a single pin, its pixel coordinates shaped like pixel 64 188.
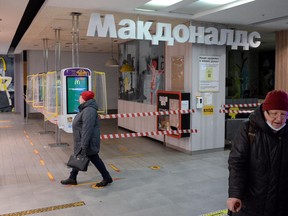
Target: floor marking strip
pixel 41 161
pixel 5 126
pixel 50 176
pixel 216 213
pixel 46 209
pixel 155 167
pixel 114 168
pixel 132 156
pixel 123 149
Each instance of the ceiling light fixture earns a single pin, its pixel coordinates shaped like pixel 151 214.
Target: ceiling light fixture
pixel 218 2
pixel 112 62
pixel 145 10
pixel 162 3
pixel 154 5
pixel 126 67
pixel 221 8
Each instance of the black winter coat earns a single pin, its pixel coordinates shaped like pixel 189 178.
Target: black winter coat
pixel 86 129
pixel 259 170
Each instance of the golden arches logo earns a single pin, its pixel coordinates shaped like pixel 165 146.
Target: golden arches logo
pixel 77 82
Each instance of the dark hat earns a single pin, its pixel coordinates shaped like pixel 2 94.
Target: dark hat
pixel 87 95
pixel 276 100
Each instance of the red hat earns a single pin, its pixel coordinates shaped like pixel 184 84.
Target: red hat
pixel 276 100
pixel 87 95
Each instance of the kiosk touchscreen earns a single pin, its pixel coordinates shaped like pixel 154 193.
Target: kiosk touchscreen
pixel 75 85
pixel 74 82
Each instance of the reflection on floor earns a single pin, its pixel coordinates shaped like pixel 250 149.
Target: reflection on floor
pixel 149 179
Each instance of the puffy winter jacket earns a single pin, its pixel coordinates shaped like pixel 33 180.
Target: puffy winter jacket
pixel 258 171
pixel 86 130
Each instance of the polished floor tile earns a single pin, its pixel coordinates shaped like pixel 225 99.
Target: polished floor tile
pixel 184 185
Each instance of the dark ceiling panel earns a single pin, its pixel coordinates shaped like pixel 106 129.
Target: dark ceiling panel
pixel 30 12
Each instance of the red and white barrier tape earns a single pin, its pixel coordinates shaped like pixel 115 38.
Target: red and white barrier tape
pixel 241 105
pixel 145 114
pixel 236 111
pixel 139 134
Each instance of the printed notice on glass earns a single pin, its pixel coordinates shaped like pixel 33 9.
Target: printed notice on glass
pixel 209 73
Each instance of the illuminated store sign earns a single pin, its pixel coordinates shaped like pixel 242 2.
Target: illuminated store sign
pixel 181 33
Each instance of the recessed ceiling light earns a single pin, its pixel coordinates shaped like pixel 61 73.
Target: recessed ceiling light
pixel 162 3
pixel 154 5
pixel 145 10
pixel 218 2
pixel 221 7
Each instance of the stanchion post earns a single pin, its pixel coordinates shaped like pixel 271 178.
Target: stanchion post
pixel 27 113
pixel 58 139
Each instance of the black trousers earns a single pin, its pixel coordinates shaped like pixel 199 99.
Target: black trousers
pixel 98 163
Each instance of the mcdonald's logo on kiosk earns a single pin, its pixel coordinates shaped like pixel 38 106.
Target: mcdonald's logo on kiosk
pixel 77 82
pixel 74 82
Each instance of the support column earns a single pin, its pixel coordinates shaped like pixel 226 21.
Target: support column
pixel 46 61
pixel 75 39
pixel 57 79
pixel 281 55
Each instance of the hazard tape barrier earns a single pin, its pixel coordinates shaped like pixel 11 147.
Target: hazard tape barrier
pixel 236 111
pixel 241 105
pixel 234 108
pixel 139 134
pixel 145 114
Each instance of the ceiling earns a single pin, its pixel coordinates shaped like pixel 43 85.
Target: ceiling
pixel 264 16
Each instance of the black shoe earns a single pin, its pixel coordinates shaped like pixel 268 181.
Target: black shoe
pixel 104 182
pixel 69 182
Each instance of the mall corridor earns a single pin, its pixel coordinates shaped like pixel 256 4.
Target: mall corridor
pixel 149 178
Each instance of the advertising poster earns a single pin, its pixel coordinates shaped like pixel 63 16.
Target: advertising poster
pixel 177 70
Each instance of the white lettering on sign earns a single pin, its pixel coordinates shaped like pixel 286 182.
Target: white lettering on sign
pixel 129 29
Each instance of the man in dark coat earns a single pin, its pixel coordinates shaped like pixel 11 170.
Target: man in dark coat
pixel 86 135
pixel 258 166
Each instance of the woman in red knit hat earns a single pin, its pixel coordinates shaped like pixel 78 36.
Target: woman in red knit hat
pixel 258 161
pixel 86 135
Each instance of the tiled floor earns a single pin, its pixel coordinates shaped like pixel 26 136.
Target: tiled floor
pixel 184 185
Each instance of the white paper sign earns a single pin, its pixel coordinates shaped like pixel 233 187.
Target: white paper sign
pixel 209 73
